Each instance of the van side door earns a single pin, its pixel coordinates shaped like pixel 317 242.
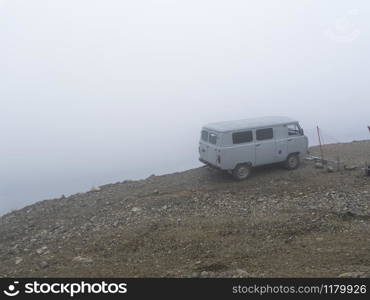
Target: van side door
pixel 242 150
pixel 281 140
pixel 265 146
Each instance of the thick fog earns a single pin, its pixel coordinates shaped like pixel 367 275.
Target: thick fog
pixel 95 92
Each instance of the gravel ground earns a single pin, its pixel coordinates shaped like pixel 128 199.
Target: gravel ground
pixel 200 223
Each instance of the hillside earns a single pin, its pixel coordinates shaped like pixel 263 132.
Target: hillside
pixel 201 223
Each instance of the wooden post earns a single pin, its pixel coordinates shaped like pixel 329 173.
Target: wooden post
pixel 321 150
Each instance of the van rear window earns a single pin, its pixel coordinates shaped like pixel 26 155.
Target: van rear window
pixel 204 135
pixel 212 138
pixel 264 134
pixel 242 137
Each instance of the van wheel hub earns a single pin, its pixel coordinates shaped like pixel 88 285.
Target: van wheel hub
pixel 241 172
pixel 292 162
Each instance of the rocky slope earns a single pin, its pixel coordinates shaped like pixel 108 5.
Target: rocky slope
pixel 200 223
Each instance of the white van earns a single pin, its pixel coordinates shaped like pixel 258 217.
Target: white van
pixel 237 146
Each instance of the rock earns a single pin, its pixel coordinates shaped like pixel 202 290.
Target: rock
pixel 242 273
pixel 18 260
pixel 95 189
pixel 350 168
pixel 330 169
pixel 15 247
pixel 347 215
pixel 319 165
pixel 352 275
pixel 204 274
pixel 164 207
pixel 82 259
pixel 136 209
pixel 239 274
pixel 156 192
pixel 41 250
pixel 44 264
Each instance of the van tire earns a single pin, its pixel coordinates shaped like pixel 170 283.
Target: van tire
pixel 292 162
pixel 242 172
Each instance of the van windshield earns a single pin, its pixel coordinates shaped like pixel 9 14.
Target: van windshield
pixel 294 129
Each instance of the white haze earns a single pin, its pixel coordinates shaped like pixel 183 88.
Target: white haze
pixel 94 92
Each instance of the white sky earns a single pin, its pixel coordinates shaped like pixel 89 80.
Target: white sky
pixel 93 92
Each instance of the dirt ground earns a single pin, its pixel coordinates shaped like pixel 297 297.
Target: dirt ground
pixel 201 223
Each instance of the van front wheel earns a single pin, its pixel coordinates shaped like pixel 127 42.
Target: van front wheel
pixel 242 172
pixel 292 162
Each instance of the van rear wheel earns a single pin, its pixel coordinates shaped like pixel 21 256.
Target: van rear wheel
pixel 292 162
pixel 242 172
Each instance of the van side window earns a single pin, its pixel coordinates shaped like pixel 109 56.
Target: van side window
pixel 204 135
pixel 264 134
pixel 213 138
pixel 242 137
pixel 293 129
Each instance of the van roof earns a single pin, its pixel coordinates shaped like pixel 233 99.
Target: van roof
pixel 249 123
